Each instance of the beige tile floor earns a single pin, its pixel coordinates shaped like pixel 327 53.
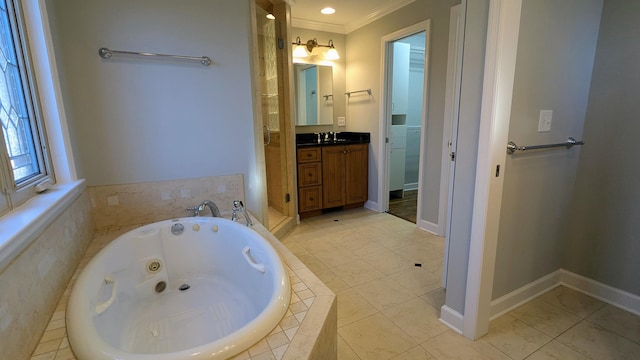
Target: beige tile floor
pixel 275 218
pixel 388 308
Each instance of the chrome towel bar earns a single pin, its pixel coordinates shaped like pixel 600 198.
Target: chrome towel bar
pixel 348 93
pixel 107 53
pixel 512 147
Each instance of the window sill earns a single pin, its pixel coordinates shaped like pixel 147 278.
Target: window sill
pixel 21 226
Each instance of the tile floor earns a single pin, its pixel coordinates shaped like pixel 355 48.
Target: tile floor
pixel 275 218
pixel 388 307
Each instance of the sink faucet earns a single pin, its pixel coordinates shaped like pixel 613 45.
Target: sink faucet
pixel 215 212
pixel 238 207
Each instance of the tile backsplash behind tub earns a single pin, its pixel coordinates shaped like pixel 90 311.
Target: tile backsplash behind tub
pixel 143 203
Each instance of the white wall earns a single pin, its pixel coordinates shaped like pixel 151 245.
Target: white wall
pixel 556 48
pixel 139 120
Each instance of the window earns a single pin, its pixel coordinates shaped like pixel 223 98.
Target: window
pixel 24 158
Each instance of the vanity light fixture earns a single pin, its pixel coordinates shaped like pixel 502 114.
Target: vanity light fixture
pixel 332 53
pixel 299 50
pixel 304 49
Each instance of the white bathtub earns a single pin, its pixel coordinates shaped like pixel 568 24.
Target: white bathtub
pixel 238 291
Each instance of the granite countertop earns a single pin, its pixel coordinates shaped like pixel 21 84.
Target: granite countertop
pixel 342 138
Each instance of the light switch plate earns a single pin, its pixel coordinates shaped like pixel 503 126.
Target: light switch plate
pixel 544 123
pixel 342 121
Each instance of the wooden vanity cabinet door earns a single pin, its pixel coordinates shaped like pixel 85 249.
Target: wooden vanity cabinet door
pixel 333 176
pixel 356 173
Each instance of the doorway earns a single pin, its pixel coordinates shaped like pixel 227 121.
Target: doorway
pixel 405 69
pixel 407 85
pixel 274 119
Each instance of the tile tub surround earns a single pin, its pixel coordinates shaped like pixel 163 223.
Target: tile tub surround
pixel 307 331
pixel 33 282
pixel 144 203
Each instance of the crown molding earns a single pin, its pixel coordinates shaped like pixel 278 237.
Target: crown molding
pixel 317 25
pixel 378 13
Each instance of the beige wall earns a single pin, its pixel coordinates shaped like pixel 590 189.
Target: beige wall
pixel 364 70
pixel 34 282
pixel 556 48
pixel 140 120
pixel 602 235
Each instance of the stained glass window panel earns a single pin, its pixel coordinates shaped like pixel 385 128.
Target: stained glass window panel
pixel 16 125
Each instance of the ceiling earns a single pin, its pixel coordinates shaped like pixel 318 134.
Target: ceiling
pixel 349 16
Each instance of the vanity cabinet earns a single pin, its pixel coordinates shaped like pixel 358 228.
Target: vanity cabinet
pixel 309 179
pixel 332 176
pixel 345 175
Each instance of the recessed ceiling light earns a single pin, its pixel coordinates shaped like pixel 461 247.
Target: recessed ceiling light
pixel 328 10
pixel 270 17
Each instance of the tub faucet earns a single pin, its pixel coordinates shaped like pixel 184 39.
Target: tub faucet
pixel 238 207
pixel 215 212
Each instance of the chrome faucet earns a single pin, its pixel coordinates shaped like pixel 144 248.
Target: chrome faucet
pixel 215 212
pixel 238 207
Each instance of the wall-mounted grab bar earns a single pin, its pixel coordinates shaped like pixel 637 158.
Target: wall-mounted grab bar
pixel 107 53
pixel 348 93
pixel 512 147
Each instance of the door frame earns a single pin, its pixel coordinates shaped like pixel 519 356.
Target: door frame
pixel 282 11
pixel 499 71
pixel 386 68
pixel 450 131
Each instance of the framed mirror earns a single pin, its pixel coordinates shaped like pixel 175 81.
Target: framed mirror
pixel 313 94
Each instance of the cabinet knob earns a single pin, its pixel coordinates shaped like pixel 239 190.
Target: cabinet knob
pixel 344 151
pixel 311 199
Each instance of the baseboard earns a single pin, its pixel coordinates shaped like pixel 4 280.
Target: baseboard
pixel 428 226
pixel 619 298
pixel 452 319
pixel 284 227
pixel 372 205
pixel 616 297
pixel 512 300
pixel 410 186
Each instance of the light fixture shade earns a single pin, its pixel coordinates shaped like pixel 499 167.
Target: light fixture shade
pixel 300 51
pixel 332 54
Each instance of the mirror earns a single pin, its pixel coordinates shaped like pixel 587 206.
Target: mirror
pixel 313 94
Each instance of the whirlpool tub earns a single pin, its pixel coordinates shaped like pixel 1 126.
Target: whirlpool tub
pixel 192 288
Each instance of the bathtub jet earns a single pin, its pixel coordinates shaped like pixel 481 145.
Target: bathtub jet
pixel 209 292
